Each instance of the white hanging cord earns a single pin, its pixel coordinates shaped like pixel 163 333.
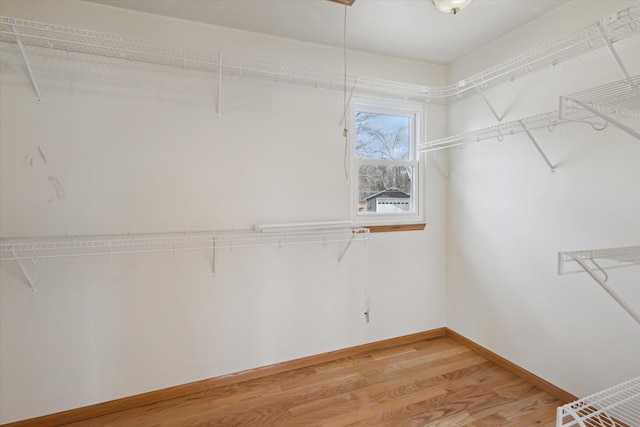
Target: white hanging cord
pixel 345 132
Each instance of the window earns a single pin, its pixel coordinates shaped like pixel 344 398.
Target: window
pixel 386 162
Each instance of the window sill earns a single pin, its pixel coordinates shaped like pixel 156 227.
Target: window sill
pixel 395 227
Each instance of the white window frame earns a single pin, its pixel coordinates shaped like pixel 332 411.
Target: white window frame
pixel 416 113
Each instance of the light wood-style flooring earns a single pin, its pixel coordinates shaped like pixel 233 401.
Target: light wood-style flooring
pixel 436 382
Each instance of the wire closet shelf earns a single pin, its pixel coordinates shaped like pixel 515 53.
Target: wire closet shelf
pixel 621 98
pixel 617 406
pixel 26 248
pixel 546 120
pixel 611 29
pixel 595 262
pixel 616 103
pixel 618 257
pixel 613 102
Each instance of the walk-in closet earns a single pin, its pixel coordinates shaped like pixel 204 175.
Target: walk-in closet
pixel 320 212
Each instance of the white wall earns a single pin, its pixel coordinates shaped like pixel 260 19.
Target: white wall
pixel 509 217
pixel 139 147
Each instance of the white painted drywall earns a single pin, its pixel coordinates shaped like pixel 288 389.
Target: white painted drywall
pixel 509 217
pixel 138 147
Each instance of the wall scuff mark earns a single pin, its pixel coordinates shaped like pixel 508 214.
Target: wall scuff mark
pixel 44 159
pixel 57 186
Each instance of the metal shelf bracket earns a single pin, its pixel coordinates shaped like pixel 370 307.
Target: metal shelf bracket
pixel 213 255
pixel 24 271
pixel 552 168
pixel 437 165
pixel 219 84
pixel 346 248
pixel 486 101
pixel 26 63
pixel 608 119
pixel 607 288
pixel 611 49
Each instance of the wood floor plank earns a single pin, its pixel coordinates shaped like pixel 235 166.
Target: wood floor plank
pixel 519 409
pixel 266 409
pixel 467 399
pixel 436 383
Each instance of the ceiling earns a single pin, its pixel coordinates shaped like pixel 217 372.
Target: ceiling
pixel 412 29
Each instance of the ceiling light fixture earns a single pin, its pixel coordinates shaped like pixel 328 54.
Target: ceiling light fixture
pixel 451 6
pixel 345 2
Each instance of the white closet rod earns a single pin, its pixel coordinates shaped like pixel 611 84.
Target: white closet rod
pixel 615 28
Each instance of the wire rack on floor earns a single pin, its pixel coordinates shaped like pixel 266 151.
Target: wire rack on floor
pixel 617 406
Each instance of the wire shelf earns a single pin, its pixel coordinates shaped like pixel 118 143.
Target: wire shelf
pixel 24 248
pixel 594 262
pixel 88 42
pixel 546 120
pixel 617 406
pixel 621 98
pixel 623 255
pixel 617 27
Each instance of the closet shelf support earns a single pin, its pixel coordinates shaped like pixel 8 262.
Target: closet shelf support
pixel 24 271
pixel 26 63
pixel 608 119
pixel 612 51
pixel 346 248
pixel 437 164
pixel 607 288
pixel 486 101
pixel 219 83
pixel 213 255
pixel 552 168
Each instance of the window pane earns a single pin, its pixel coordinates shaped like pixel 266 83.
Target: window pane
pixel 382 136
pixel 385 189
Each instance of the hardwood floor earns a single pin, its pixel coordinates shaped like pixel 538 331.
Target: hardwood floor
pixel 436 382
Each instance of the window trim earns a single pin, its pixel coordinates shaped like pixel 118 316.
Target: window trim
pixel 416 112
